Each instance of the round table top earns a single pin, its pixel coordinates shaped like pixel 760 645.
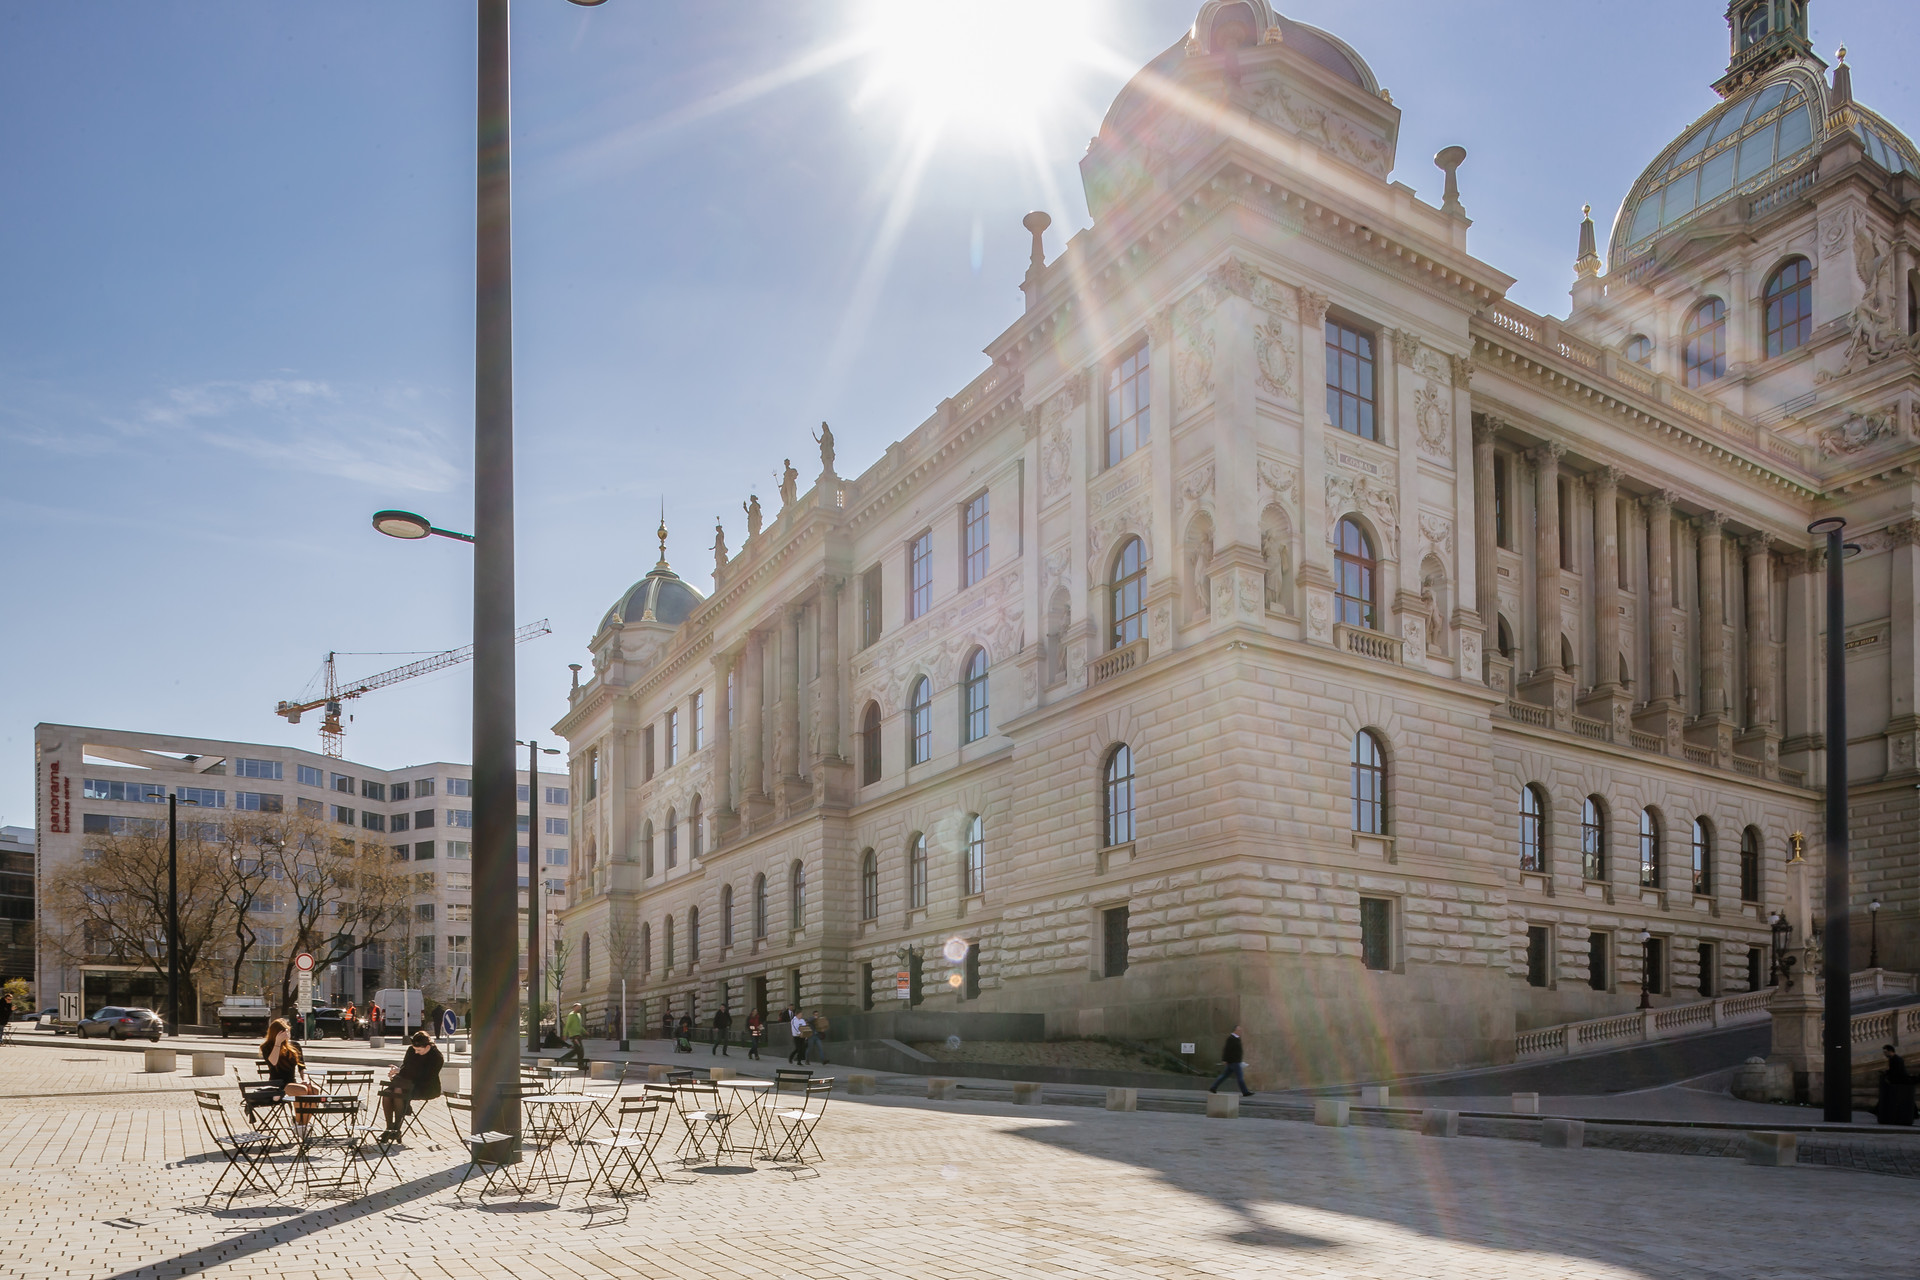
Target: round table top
pixel 744 1084
pixel 560 1099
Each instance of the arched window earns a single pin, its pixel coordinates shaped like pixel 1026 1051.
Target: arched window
pixel 1706 343
pixel 973 698
pixel 695 834
pixel 870 745
pixel 1353 567
pixel 669 944
pixel 1369 785
pixel 1639 350
pixel 673 841
pixel 869 886
pixel 1533 829
pixel 1789 302
pixel 920 722
pixel 1503 637
pixel 1702 856
pixel 1649 850
pixel 917 872
pixel 1129 594
pixel 974 870
pixel 760 906
pixel 1750 865
pixel 797 896
pixel 1119 796
pixel 693 936
pixel 646 948
pixel 1593 839
pixel 646 848
pixel 726 915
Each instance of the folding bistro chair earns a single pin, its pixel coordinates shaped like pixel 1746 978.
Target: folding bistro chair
pixel 622 1154
pixel 246 1152
pixel 331 1122
pixel 707 1118
pixel 489 1169
pixel 798 1123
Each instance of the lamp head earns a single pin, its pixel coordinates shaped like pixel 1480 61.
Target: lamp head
pixel 402 524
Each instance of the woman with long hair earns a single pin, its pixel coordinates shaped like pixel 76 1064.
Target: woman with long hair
pixel 285 1066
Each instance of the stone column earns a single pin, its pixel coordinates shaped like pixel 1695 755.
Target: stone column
pixel 1469 630
pixel 1903 721
pixel 722 786
pixel 1486 537
pixel 790 784
pixel 753 729
pixel 1761 741
pixel 1611 700
pixel 1713 728
pixel 827 714
pixel 1315 575
pixel 1238 571
pixel 1546 557
pixel 1662 715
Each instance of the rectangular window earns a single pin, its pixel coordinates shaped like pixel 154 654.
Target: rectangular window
pixel 1114 950
pixel 460 850
pixel 460 817
pixel 309 808
pixel 673 737
pixel 343 814
pixel 866 986
pixel 521 823
pixel 521 855
pixel 400 853
pixel 457 951
pixel 870 606
pixel 398 792
pixel 646 759
pixel 373 821
pixel 371 790
pixel 201 796
pixel 398 823
pixel 459 786
pixel 422 819
pixel 309 776
pixel 423 912
pixel 1537 955
pixel 422 788
pixel 1502 518
pixel 1597 961
pixel 1376 933
pixel 245 768
pixel 1653 967
pixel 100 824
pixel 460 912
pixel 556 795
pixel 1129 405
pixel 970 988
pixel 593 772
pixel 556 857
pixel 973 567
pixel 697 721
pixel 556 826
pixel 1753 968
pixel 1708 987
pixel 1350 379
pixel 258 801
pixel 1749 868
pixel 920 575
pixel 423 851
pixel 145 792
pixel 521 793
pixel 341 782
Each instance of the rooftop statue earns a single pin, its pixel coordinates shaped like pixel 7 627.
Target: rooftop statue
pixel 752 508
pixel 825 441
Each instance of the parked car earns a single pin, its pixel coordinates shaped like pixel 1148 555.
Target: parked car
pixel 29 1015
pixel 322 1023
pixel 117 1023
pixel 244 1016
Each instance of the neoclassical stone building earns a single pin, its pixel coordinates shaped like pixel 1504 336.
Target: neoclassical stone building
pixel 1287 629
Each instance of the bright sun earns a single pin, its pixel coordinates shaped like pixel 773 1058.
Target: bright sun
pixel 984 69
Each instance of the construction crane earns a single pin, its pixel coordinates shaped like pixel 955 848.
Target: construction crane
pixel 332 731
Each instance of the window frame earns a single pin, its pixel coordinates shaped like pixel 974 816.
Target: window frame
pixel 1368 813
pixel 973 863
pixel 1533 829
pixel 760 906
pixel 1702 366
pixel 1340 398
pixel 1359 569
pixel 976 539
pixel 797 896
pixel 1119 820
pixel 869 886
pixel 917 871
pixel 1701 871
pixel 1127 594
pixel 920 575
pixel 1593 839
pixel 974 719
pixel 1376 936
pixel 1750 864
pixel 871 744
pixel 1128 374
pixel 919 723
pixel 1641 343
pixel 1116 942
pixel 1783 334
pixel 872 601
pixel 1650 848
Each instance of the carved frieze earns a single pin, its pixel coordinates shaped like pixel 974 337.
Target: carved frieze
pixel 1372 498
pixel 1279 105
pixel 1436 537
pixel 1856 432
pixel 1056 445
pixel 1193 343
pixel 1134 519
pixel 1276 481
pixel 1196 489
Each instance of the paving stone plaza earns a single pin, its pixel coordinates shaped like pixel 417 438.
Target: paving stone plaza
pixel 106 1168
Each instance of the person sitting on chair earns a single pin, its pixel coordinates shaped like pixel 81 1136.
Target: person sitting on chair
pixel 285 1066
pixel 683 1035
pixel 416 1079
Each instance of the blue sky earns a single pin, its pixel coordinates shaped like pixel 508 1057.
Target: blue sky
pixel 236 295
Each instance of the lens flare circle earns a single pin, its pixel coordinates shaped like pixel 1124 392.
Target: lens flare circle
pixel 955 951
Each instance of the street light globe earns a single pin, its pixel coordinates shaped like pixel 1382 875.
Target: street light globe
pixel 402 524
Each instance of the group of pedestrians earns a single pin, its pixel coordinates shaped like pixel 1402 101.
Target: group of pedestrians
pixel 809 1036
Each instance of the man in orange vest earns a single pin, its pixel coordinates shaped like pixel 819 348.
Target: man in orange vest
pixel 352 1021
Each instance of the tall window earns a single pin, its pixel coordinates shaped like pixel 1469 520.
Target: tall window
pixel 797 895
pixel 646 848
pixel 1593 839
pixel 1789 301
pixel 695 835
pixel 870 585
pixel 1640 350
pixel 973 698
pixel 1750 865
pixel 586 960
pixel 1369 784
pixel 673 737
pixel 1597 961
pixel 973 537
pixel 693 936
pixel 760 906
pixel 1702 856
pixel 1119 796
pixel 1376 933
pixel 919 575
pixel 1706 343
pixel 1113 929
pixel 1129 594
pixel 1533 822
pixel 698 716
pixel 870 744
pixel 920 722
pixel 1128 415
pixel 1350 378
pixel 974 871
pixel 673 841
pixel 726 915
pixel 869 886
pixel 1353 567
pixel 1502 509
pixel 1649 850
pixel 646 948
pixel 669 944
pixel 917 872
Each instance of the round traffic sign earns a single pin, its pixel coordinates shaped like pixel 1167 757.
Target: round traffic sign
pixel 303 962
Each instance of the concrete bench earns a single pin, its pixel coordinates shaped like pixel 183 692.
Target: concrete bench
pixel 163 1060
pixel 1223 1106
pixel 1439 1123
pixel 1773 1149
pixel 1373 1095
pixel 603 1070
pixel 1526 1104
pixel 940 1088
pixel 1334 1113
pixel 1563 1135
pixel 1026 1093
pixel 209 1062
pixel 1123 1099
pixel 862 1084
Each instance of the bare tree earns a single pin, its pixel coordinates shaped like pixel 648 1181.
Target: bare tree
pixel 345 896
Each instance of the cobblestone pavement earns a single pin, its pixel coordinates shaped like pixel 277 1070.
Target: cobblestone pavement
pixel 102 1182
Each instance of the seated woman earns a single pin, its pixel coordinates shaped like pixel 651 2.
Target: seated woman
pixel 417 1078
pixel 683 1035
pixel 285 1066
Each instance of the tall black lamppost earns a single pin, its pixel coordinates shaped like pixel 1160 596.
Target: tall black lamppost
pixel 1837 1029
pixel 1873 934
pixel 173 910
pixel 536 899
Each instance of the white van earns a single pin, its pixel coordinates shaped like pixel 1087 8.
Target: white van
pixel 401 1010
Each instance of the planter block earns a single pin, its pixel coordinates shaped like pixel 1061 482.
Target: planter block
pixel 657 1072
pixel 162 1060
pixel 862 1085
pixel 1026 1093
pixel 1335 1113
pixel 1773 1149
pixel 1123 1099
pixel 1526 1104
pixel 1563 1135
pixel 1373 1095
pixel 1223 1106
pixel 603 1070
pixel 209 1062
pixel 939 1087
pixel 1440 1124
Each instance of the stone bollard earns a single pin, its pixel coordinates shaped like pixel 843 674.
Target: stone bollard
pixel 459 1044
pixel 1563 1135
pixel 376 1042
pixel 657 1072
pixel 862 1085
pixel 1437 1123
pixel 209 1062
pixel 720 1073
pixel 1123 1099
pixel 603 1070
pixel 1373 1095
pixel 1773 1149
pixel 450 1080
pixel 1526 1104
pixel 1026 1093
pixel 161 1060
pixel 1336 1113
pixel 1223 1106
pixel 940 1088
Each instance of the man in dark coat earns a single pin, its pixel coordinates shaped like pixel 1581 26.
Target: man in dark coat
pixel 1896 1091
pixel 1233 1058
pixel 722 1023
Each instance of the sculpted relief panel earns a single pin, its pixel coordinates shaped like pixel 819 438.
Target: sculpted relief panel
pixel 1375 500
pixel 1056 444
pixel 1293 112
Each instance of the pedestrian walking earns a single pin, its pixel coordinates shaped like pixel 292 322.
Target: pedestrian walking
pixel 1896 1091
pixel 1233 1059
pixel 683 1035
pixel 666 1024
pixel 376 1020
pixel 817 1037
pixel 756 1032
pixel 722 1023
pixel 797 1025
pixel 576 1036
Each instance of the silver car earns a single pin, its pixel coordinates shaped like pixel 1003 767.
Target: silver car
pixel 117 1023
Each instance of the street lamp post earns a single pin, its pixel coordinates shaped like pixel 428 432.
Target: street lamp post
pixel 536 896
pixel 173 910
pixel 1837 1031
pixel 1873 934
